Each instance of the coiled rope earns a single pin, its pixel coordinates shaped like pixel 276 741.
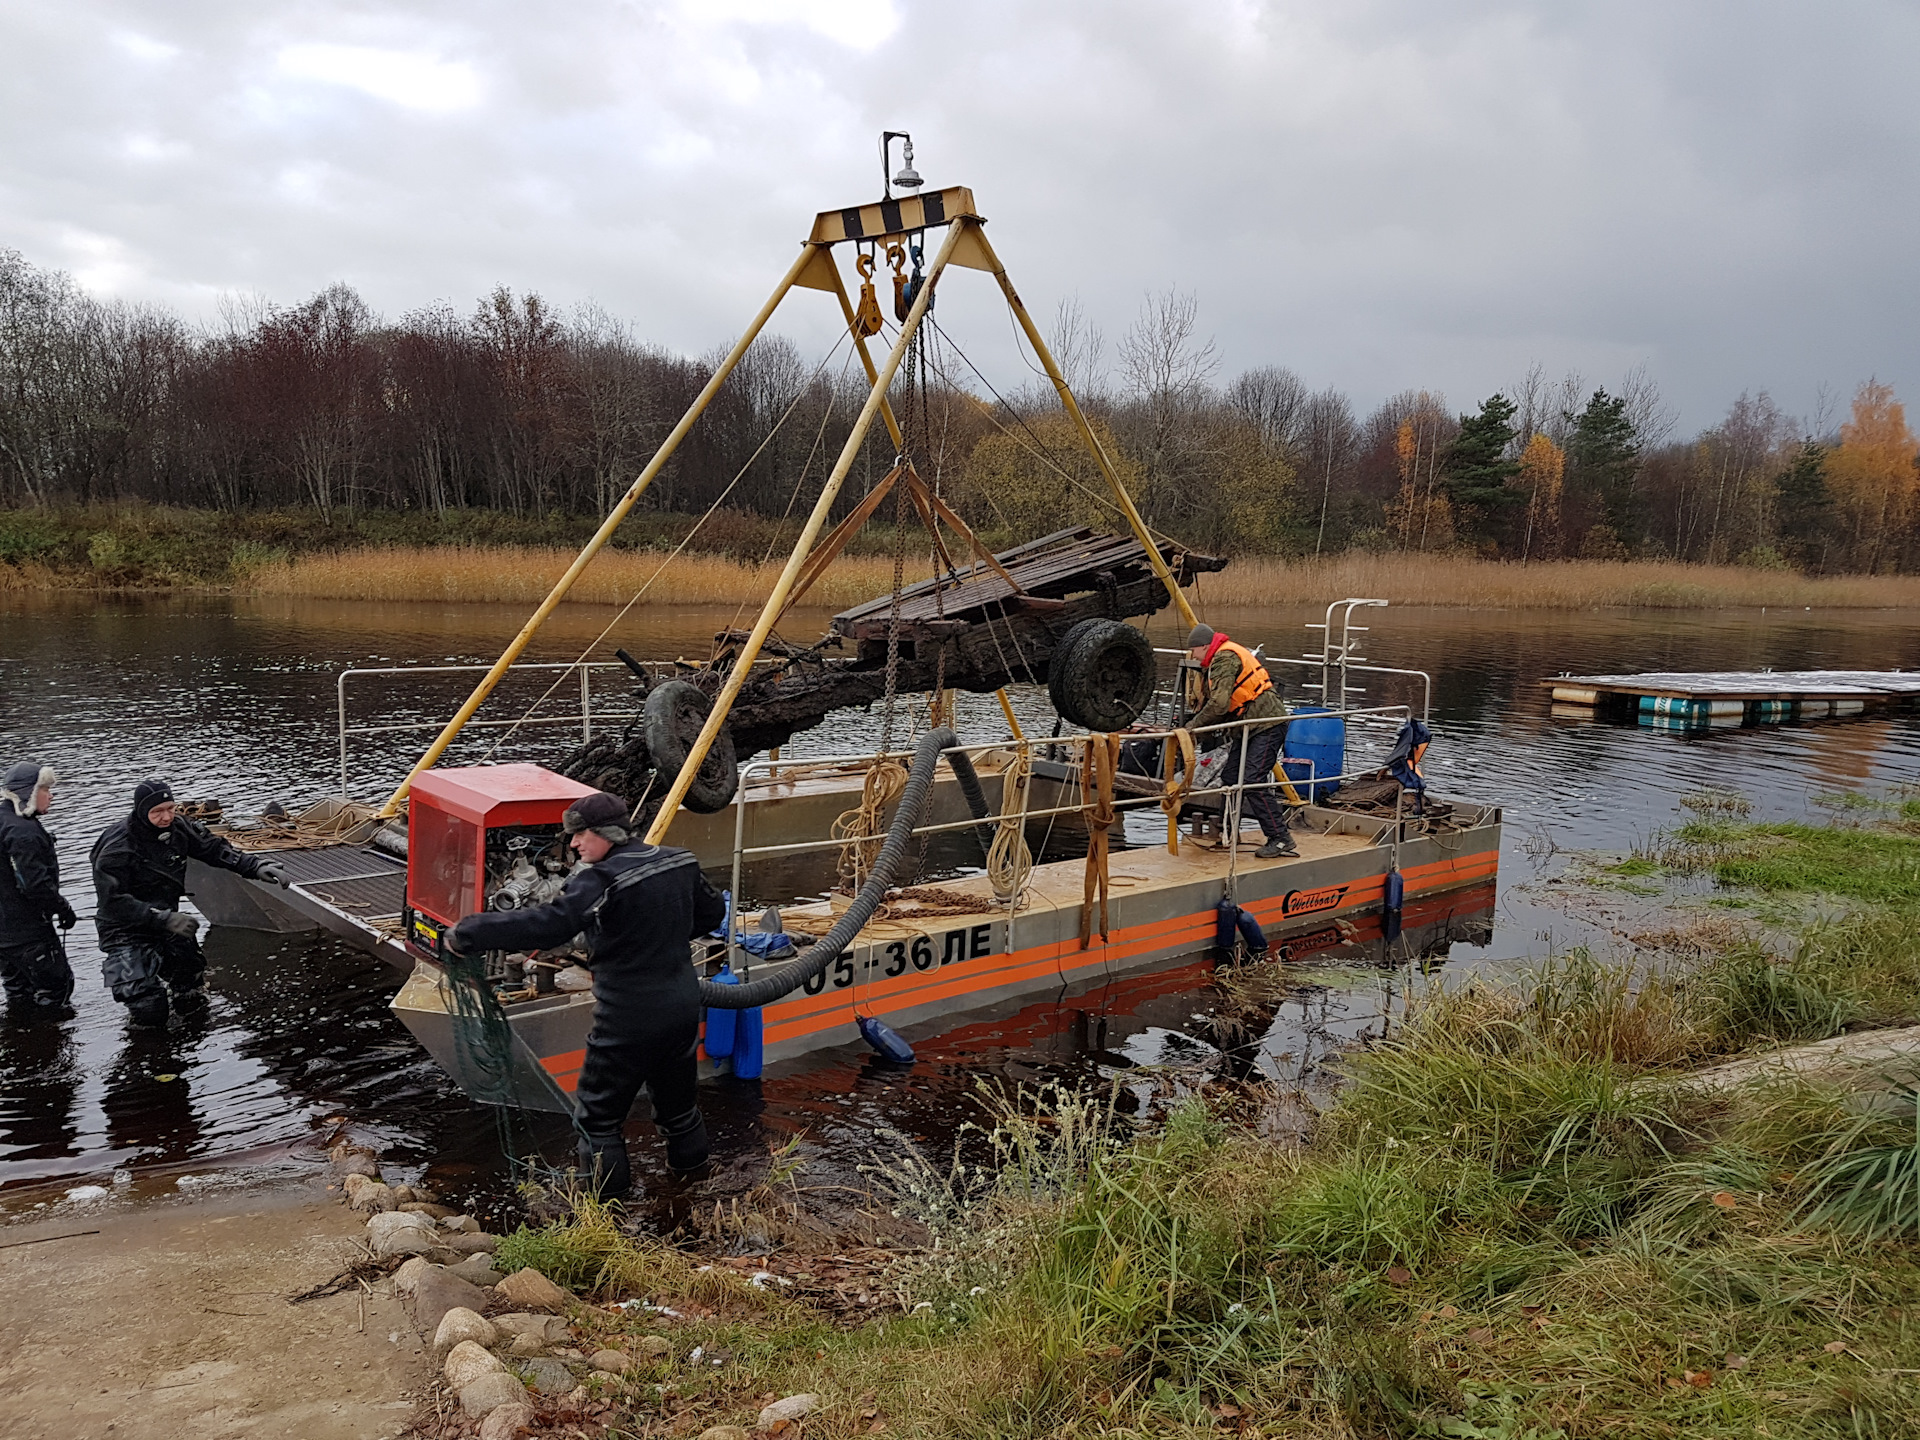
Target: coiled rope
pixel 1009 861
pixel 859 829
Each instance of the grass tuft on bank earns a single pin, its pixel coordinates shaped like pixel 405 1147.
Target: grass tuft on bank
pixel 1522 1218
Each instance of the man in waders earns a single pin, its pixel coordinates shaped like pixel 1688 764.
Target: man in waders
pixel 139 875
pixel 33 962
pixel 1239 688
pixel 637 905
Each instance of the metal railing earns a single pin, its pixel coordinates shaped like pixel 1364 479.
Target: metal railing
pixel 584 717
pixel 1231 794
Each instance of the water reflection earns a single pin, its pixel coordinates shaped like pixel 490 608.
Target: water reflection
pixel 235 699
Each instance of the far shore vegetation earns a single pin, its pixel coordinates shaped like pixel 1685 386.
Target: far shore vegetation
pixel 299 432
pixel 1575 1202
pixel 485 556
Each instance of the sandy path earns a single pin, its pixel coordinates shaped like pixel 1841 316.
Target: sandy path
pixel 173 1321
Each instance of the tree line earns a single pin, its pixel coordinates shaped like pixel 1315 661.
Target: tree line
pixel 517 407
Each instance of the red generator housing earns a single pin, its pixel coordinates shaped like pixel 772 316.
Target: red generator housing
pixel 449 817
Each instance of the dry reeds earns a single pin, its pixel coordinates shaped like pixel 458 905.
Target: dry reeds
pixel 514 575
pixel 1556 585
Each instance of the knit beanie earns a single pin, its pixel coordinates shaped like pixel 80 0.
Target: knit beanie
pixel 604 814
pixel 1200 638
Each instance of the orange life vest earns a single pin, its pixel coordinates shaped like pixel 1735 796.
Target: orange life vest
pixel 1254 680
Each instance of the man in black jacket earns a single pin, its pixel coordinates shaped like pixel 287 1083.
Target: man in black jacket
pixel 139 875
pixel 33 962
pixel 638 905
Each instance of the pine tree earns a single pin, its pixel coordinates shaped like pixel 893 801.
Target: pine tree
pixel 1477 470
pixel 1803 509
pixel 1603 456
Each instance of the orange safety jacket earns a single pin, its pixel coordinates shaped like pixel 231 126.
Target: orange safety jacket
pixel 1254 680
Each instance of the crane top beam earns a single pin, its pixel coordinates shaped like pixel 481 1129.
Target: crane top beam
pixel 884 219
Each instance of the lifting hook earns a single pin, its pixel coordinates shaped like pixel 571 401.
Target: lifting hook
pixel 867 319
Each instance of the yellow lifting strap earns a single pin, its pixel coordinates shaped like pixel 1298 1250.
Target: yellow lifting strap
pixel 1096 796
pixel 1173 791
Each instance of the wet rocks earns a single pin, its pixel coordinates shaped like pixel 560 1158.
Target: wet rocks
pixel 506 1421
pixel 459 1224
pixel 350 1160
pixel 467 1362
pixel 785 1412
pixel 399 1232
pixel 460 1325
pixel 423 1207
pixel 370 1195
pixel 491 1391
pixel 531 1290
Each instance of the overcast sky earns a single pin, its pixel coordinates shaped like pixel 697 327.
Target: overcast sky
pixel 1407 193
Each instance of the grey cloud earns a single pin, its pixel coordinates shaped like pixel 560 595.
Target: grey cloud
pixel 1380 195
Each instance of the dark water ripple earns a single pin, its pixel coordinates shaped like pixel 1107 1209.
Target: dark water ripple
pixel 235 700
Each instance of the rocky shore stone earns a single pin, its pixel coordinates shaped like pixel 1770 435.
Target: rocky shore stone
pixel 488 1393
pixel 528 1344
pixel 426 1208
pixel 391 1222
pixel 547 1375
pixel 461 1324
pixel 616 1361
pixel 471 1244
pixel 506 1421
pixel 349 1160
pixel 476 1270
pixel 459 1224
pixel 408 1275
pixel 784 1412
pixel 652 1347
pixel 531 1290
pixel 725 1432
pixel 404 1242
pixel 467 1362
pixel 435 1292
pixel 548 1329
pixel 368 1195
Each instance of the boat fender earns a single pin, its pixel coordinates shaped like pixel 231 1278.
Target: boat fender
pixel 748 1044
pixel 1395 894
pixel 1226 921
pixel 885 1041
pixel 721 1031
pixel 1251 932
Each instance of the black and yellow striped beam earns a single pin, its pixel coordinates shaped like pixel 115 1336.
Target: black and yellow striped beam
pixel 884 218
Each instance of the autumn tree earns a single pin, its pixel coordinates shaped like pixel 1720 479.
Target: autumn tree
pixel 1873 476
pixel 1536 483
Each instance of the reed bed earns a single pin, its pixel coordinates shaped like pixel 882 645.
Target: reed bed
pixel 505 574
pixel 488 574
pixel 1455 580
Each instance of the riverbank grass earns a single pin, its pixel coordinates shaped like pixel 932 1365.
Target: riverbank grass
pixel 1523 1218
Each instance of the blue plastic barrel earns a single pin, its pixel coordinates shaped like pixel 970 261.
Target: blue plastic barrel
pixel 1314 736
pixel 721 1027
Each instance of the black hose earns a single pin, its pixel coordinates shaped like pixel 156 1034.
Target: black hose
pixel 913 802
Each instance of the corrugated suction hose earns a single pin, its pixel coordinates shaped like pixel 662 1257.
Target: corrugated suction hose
pixel 765 989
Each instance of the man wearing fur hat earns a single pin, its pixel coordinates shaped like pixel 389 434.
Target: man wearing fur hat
pixel 638 905
pixel 139 875
pixel 33 962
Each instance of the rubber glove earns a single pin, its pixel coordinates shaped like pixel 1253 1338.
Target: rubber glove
pixel 181 924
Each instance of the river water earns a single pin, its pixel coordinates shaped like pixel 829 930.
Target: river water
pixel 235 699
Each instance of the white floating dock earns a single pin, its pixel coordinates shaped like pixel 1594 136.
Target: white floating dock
pixel 1733 696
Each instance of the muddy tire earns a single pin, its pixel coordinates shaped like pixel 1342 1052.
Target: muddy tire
pixel 1102 675
pixel 675 711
